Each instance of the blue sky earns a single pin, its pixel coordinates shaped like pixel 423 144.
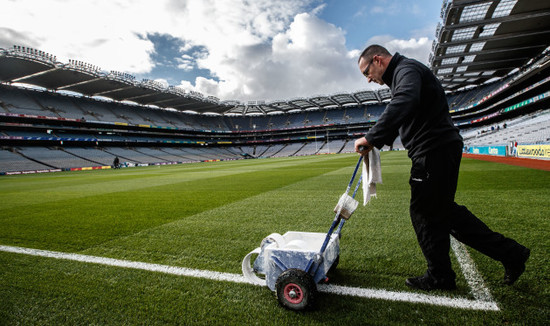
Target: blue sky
pixel 232 49
pixel 400 19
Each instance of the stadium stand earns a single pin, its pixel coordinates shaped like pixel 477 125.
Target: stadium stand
pixel 332 146
pixel 355 114
pixel 310 148
pixel 55 157
pixel 348 147
pixel 97 155
pixel 283 150
pixel 132 128
pixel 16 101
pixel 527 129
pixel 12 160
pixel 497 82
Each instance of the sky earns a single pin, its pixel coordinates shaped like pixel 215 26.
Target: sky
pixel 244 50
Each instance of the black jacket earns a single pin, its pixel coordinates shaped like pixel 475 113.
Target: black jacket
pixel 418 110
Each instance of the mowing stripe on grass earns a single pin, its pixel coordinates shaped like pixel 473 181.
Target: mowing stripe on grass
pixel 461 303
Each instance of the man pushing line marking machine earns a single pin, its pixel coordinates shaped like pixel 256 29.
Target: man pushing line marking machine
pixel 418 112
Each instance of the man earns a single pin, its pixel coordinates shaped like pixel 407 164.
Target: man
pixel 419 113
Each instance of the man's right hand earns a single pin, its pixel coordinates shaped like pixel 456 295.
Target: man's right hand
pixel 362 146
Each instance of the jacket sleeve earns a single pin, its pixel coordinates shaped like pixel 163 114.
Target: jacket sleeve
pixel 405 100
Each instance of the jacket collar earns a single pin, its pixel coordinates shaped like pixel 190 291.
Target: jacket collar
pixel 387 77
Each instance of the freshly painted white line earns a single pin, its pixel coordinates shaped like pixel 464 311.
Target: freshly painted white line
pixel 238 278
pixel 182 271
pixel 461 303
pixel 477 286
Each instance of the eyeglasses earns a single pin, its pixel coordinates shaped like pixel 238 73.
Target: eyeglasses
pixel 366 71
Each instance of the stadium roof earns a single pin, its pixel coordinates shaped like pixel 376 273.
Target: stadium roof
pixel 481 40
pixel 34 67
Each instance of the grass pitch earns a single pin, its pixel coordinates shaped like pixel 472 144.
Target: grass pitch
pixel 208 216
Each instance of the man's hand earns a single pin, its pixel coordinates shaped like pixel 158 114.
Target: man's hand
pixel 362 146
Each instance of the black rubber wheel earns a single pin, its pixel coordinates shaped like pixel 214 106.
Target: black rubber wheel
pixel 296 289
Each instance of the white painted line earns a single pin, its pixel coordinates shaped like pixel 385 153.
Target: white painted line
pixel 477 286
pixel 182 271
pixel 461 303
pixel 238 278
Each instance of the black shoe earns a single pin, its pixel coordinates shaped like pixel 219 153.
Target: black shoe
pixel 427 283
pixel 514 270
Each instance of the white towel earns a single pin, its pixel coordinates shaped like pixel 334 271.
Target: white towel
pixel 372 174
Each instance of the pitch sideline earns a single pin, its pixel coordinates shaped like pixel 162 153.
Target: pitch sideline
pixel 483 299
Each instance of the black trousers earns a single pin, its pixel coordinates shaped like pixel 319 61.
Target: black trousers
pixel 435 215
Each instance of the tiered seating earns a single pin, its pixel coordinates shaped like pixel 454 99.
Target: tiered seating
pixel 295 120
pixel 55 157
pixel 176 154
pixel 97 111
pixel 126 154
pixel 314 118
pixel 23 133
pixel 355 114
pixel 269 151
pixel 165 118
pixel 241 123
pixel 279 121
pixel 350 147
pixel 310 148
pixel 374 111
pixel 472 96
pixel 210 153
pixel 59 105
pixel 333 146
pixel 219 124
pixel 17 101
pixel 334 116
pixel 261 122
pixel 289 149
pixel 152 155
pixel 530 129
pixel 196 154
pixel 229 152
pixel 94 155
pixel 10 161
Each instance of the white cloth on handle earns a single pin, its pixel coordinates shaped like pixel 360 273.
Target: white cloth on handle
pixel 372 174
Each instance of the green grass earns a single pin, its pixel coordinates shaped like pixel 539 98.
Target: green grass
pixel 210 215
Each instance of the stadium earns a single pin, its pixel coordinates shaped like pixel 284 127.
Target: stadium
pixel 159 237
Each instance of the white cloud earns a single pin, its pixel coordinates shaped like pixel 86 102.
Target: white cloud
pixel 309 58
pixel 162 81
pixel 268 50
pixel 186 62
pixel 418 49
pixel 255 50
pixel 104 33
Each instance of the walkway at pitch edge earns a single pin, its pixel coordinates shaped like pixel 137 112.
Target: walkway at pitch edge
pixel 483 299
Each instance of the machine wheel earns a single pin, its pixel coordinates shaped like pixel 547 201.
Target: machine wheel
pixel 295 289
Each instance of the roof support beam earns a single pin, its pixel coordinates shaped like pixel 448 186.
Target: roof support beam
pixel 507 19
